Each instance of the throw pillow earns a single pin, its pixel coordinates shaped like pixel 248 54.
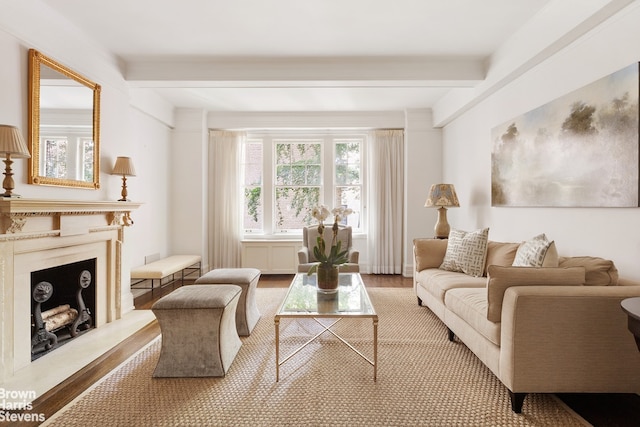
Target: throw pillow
pixel 429 253
pixel 532 253
pixel 599 271
pixel 466 252
pixel 499 279
pixel 499 253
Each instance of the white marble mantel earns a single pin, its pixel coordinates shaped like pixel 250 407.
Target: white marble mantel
pixel 42 215
pixel 36 234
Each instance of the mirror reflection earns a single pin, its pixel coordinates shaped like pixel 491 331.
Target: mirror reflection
pixel 64 133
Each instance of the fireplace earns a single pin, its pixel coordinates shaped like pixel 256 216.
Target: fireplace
pixel 37 235
pixel 63 301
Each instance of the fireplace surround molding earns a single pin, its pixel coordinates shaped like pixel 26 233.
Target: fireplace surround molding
pixel 36 234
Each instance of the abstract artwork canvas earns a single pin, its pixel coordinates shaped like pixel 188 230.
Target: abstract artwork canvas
pixel 580 150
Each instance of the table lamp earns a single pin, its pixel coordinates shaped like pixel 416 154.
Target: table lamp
pixel 442 196
pixel 12 145
pixel 124 167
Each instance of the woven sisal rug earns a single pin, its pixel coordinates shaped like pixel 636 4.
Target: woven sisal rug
pixel 423 380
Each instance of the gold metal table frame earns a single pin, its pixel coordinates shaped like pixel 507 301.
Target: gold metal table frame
pixel 303 300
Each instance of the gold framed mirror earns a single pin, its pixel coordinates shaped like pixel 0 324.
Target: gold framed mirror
pixel 64 125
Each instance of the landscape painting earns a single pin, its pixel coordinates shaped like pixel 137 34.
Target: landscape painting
pixel 580 150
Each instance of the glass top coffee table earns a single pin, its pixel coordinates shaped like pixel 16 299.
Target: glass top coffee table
pixel 303 300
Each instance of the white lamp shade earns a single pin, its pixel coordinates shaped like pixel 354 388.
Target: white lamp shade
pixel 124 166
pixel 11 142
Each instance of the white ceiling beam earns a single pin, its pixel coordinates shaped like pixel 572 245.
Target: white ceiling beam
pixel 308 72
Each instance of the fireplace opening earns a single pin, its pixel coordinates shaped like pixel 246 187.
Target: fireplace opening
pixel 63 303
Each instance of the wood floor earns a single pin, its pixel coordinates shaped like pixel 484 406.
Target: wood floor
pixel 55 399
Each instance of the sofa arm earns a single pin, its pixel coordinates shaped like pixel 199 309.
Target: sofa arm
pixel 303 255
pixel 354 256
pixel 568 339
pixel 428 253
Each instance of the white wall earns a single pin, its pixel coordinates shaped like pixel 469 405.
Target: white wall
pixel 607 232
pixel 189 167
pixel 423 168
pixel 125 131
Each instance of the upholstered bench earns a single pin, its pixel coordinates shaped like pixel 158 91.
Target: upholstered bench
pixel 247 314
pixel 167 267
pixel 198 327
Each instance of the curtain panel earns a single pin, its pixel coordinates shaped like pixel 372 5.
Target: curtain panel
pixel 225 198
pixel 386 200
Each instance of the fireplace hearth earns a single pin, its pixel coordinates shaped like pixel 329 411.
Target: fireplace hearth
pixel 63 300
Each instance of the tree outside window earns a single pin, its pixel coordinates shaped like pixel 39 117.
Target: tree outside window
pixel 298 180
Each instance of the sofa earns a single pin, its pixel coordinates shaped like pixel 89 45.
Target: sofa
pixel 549 325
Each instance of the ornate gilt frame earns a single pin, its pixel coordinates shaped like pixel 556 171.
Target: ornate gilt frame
pixel 35 60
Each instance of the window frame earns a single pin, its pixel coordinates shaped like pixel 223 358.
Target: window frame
pixel 328 175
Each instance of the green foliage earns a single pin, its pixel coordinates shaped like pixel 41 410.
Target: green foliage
pixel 299 198
pixel 252 196
pixel 334 257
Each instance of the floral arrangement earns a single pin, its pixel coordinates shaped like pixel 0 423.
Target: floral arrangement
pixel 335 256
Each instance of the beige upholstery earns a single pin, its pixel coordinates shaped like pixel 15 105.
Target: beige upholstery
pixel 247 313
pixel 553 335
pixel 198 327
pixel 164 267
pixel 309 241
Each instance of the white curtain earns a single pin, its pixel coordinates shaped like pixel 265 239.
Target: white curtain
pixel 386 200
pixel 225 198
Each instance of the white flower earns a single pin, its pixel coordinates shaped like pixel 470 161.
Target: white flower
pixel 340 213
pixel 320 213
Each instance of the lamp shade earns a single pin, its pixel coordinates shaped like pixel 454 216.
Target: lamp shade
pixel 442 195
pixel 11 142
pixel 124 166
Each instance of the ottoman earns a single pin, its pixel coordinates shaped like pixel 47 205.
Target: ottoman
pixel 247 314
pixel 198 328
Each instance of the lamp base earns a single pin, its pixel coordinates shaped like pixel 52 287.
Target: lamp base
pixel 124 192
pixel 10 196
pixel 442 227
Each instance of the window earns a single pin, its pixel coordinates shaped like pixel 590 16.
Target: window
pixel 298 182
pixel 55 150
pixel 252 184
pixel 286 175
pixel 63 155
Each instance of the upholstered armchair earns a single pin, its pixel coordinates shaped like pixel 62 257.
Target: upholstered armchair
pixel 309 241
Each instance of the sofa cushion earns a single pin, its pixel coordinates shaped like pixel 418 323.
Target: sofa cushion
pixel 536 252
pixel 470 304
pixel 466 252
pixel 499 253
pixel 429 253
pixel 501 278
pixel 437 282
pixel 598 271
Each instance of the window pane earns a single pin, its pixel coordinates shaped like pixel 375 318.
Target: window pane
pixel 87 160
pixel 347 162
pixel 348 179
pixel 298 179
pixel 349 197
pixel 253 218
pixel 293 206
pixel 253 164
pixel 56 157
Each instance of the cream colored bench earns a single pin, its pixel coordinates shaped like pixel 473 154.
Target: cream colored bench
pixel 166 271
